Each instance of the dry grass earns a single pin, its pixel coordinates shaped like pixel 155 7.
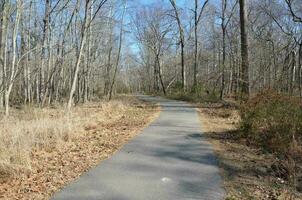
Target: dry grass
pixel 43 149
pixel 247 171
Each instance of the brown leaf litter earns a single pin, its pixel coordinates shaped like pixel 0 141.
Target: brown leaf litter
pixel 100 129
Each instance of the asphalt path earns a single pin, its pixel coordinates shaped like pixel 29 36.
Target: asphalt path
pixel 169 160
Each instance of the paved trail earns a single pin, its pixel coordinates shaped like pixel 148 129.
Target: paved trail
pixel 170 160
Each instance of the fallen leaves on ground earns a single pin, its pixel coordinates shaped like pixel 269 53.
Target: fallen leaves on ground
pixel 247 171
pixel 100 134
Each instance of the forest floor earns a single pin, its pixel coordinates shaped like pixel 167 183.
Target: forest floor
pixel 41 150
pixel 247 171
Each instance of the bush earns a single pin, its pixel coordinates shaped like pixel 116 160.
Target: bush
pixel 199 94
pixel 183 97
pixel 272 121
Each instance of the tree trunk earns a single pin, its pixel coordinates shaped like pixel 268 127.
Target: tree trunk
pixel 14 56
pixel 2 49
pixel 44 41
pixel 76 72
pixel 108 67
pixel 79 57
pixel 195 46
pixel 27 67
pixel 119 51
pixel 245 90
pixel 197 18
pixel 223 28
pixel 223 63
pixel 182 46
pixel 183 66
pixel 160 75
pixel 300 69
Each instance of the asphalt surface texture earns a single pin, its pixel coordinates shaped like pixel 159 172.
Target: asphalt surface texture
pixel 169 160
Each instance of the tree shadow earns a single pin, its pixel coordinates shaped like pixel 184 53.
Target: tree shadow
pixel 233 150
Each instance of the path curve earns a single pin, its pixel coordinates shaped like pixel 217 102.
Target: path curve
pixel 169 160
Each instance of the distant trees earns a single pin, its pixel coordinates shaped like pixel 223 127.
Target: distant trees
pixel 54 51
pixel 197 18
pixel 63 51
pixel 182 46
pixel 240 48
pixel 225 19
pixel 118 56
pixel 153 32
pixel 87 21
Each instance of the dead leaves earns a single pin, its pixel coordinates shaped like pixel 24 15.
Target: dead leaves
pixel 247 171
pixel 103 130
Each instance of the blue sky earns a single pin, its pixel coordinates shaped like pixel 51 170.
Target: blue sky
pixel 184 4
pixel 146 2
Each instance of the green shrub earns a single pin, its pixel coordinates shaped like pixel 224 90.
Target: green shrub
pixel 272 121
pixel 199 94
pixel 183 97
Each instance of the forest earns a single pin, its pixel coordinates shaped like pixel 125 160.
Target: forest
pixel 68 51
pixel 63 59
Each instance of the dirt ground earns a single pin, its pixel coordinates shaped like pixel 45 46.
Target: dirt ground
pixel 247 171
pixel 100 130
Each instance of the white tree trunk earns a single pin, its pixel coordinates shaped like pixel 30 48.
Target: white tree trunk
pixel 14 54
pixel 78 62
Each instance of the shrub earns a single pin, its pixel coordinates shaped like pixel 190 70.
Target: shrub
pixel 199 94
pixel 272 121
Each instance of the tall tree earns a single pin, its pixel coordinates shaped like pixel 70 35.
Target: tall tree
pixel 224 24
pixel 182 45
pixel 85 25
pixel 197 18
pixel 13 70
pixel 244 50
pixel 2 47
pixel 118 56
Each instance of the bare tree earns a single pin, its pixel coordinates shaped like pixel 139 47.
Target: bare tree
pixel 197 18
pixel 2 47
pixel 86 23
pixel 64 51
pixel 118 57
pixel 13 70
pixel 224 24
pixel 244 50
pixel 182 45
